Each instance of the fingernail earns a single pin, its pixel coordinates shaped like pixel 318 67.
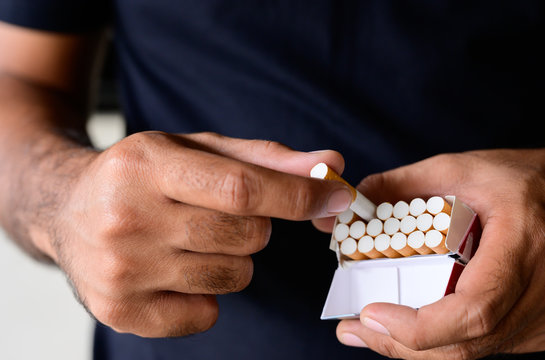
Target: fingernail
pixel 318 151
pixel 375 326
pixel 339 201
pixel 349 339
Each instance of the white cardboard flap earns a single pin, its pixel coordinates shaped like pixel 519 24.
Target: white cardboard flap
pixel 415 282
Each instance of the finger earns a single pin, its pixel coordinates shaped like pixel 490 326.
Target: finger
pixel 473 311
pixel 324 224
pixel 163 314
pixel 228 185
pixel 201 230
pixel 425 178
pixel 269 154
pixel 194 273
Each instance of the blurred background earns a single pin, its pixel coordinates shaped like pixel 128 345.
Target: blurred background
pixel 39 316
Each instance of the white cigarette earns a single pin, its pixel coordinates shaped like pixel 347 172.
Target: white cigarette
pixel 424 222
pixel 349 247
pixel 385 210
pixel 407 225
pixel 417 207
pixel 435 240
pixel 341 232
pixel 441 222
pixel 382 244
pixel 374 227
pixel 391 226
pixel 346 217
pixel 399 244
pixel 417 240
pixel 357 229
pixel 401 209
pixel 366 245
pixel 437 204
pixel 362 206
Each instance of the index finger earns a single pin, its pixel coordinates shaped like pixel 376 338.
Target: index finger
pixel 229 185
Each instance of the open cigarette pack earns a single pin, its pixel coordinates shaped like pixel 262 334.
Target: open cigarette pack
pixel 396 265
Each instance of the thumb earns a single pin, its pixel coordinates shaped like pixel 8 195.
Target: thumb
pixel 422 179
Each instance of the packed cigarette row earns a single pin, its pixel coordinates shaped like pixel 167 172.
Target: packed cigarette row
pixel 399 230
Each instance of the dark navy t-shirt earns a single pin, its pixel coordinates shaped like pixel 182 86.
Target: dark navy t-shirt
pixel 384 82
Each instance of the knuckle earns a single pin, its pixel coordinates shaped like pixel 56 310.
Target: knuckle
pixel 480 320
pixel 387 347
pixel 257 234
pixel 223 279
pixel 269 146
pixel 115 314
pixel 236 189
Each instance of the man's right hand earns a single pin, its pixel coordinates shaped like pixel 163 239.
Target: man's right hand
pixel 158 224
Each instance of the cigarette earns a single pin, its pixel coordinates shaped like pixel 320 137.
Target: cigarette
pixel 417 207
pixel 347 217
pixel 385 210
pixel 362 206
pixel 424 222
pixel 416 240
pixel 441 222
pixel 349 247
pixel 382 244
pixel 437 204
pixel 357 229
pixel 374 227
pixel 341 232
pixel 391 226
pixel 435 240
pixel 407 225
pixel 399 244
pixel 366 246
pixel 401 209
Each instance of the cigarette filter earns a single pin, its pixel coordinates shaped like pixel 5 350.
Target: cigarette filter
pixel 416 240
pixel 399 244
pixel 349 247
pixel 424 222
pixel 362 206
pixel 435 240
pixel 366 245
pixel 437 204
pixel 382 244
pixel 417 207
pixel 391 226
pixel 374 227
pixel 341 232
pixel 407 225
pixel 357 229
pixel 385 210
pixel 401 209
pixel 347 217
pixel 441 222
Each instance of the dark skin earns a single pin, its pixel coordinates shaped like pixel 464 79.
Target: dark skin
pixel 150 230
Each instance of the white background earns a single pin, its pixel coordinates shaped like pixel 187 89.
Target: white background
pixel 39 316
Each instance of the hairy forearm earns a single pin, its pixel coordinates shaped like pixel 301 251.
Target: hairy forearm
pixel 42 146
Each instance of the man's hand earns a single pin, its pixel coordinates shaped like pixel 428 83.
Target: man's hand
pixel 158 224
pixel 498 303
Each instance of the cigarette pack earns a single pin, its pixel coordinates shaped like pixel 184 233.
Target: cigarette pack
pixel 414 281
